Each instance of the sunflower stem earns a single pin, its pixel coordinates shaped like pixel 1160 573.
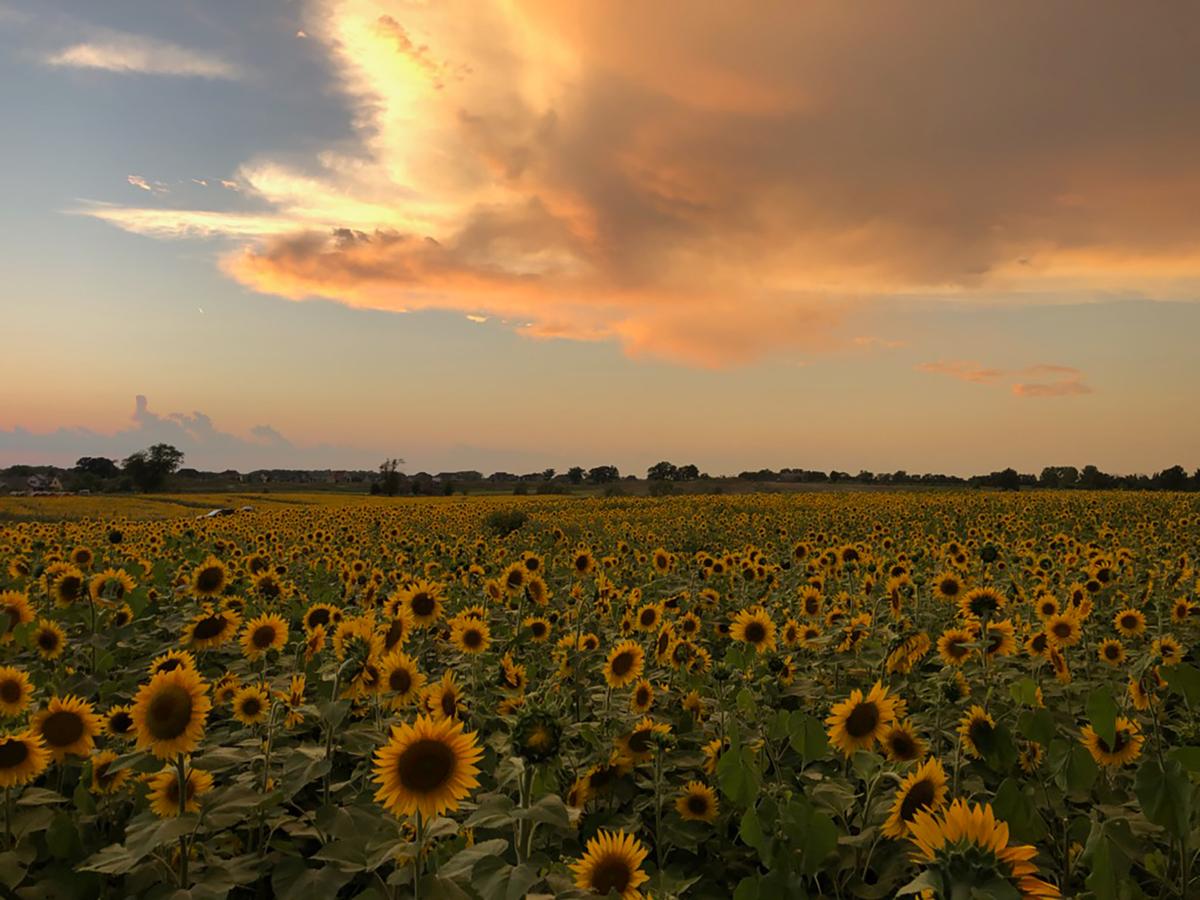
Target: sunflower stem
pixel 8 835
pixel 181 770
pixel 417 857
pixel 658 842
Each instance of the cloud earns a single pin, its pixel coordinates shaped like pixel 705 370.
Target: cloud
pixel 1068 380
pixel 962 370
pixel 1067 387
pixel 155 187
pixel 205 445
pixel 737 189
pixel 131 53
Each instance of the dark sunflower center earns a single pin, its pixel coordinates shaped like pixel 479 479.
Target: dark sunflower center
pixel 1122 739
pixel 648 616
pixel 210 580
pixel 863 720
pixel 209 627
pixel 426 766
pixel 170 665
pixel 472 638
pixel 697 804
pixel 449 704
pixel 919 796
pixel 70 587
pixel 538 629
pixel 400 680
pixel 949 587
pixel 980 733
pixel 62 728
pixel 318 617
pixel 47 639
pixel 639 741
pixel 756 632
pixel 422 604
pixel 394 633
pixel 251 707
pixel 120 722
pixel 12 754
pixel 1062 629
pixel 610 874
pixel 643 696
pixel 622 663
pixel 903 746
pixel 10 691
pixel 1112 651
pixel 169 713
pixel 263 637
pixel 1129 622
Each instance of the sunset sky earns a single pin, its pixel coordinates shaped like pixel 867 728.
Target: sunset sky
pixel 942 236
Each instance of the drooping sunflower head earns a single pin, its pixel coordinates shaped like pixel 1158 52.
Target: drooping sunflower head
pixel 164 794
pixel 104 779
pixel 977 731
pixel 640 742
pixel 14 611
pixel 427 766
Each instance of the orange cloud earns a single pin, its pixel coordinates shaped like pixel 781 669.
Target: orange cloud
pixel 1067 387
pixel 962 370
pixel 707 186
pixel 1068 381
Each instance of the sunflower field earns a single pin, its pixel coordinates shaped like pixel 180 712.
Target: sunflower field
pixel 943 694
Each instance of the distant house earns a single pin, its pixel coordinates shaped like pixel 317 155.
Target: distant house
pixel 43 483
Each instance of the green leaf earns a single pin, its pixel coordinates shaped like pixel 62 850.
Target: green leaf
pixel 1165 794
pixel 1184 679
pixel 1024 691
pixel 462 862
pixel 549 810
pixel 747 888
pixel 807 736
pixel 1102 712
pixel 751 831
pixel 738 775
pixel 1103 879
pixel 495 811
pixel 820 839
pixel 62 837
pixel 1037 725
pixel 1188 757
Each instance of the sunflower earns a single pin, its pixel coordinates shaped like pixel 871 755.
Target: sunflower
pixel 68 726
pixel 976 731
pixel 1111 651
pixel 103 780
pixel 901 743
pixel 424 601
pixel 399 629
pixel 857 722
pixel 209 578
pixel 1168 650
pixel 948 587
pixel 1046 606
pixel 1000 639
pixel 611 863
pixel 169 713
pixel 357 636
pixel 640 700
pixel 444 699
pixel 251 704
pixel 624 664
pixel 23 757
pixel 954 646
pixel 583 563
pixel 118 721
pixel 171 660
pixel 924 788
pixel 1126 748
pixel 211 628
pixel 536 736
pixel 754 627
pixel 69 587
pixel 638 745
pixel 49 639
pixel 321 615
pixel 982 602
pixel 1130 622
pixel 15 691
pixel 470 636
pixel 697 803
pixel 262 634
pixel 969 846
pixel 1030 757
pixel 111 584
pixel 401 678
pixel 649 617
pixel 14 611
pixel 164 791
pixel 426 767
pixel 122 616
pixel 1063 629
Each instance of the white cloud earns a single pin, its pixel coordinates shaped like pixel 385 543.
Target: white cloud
pixel 130 53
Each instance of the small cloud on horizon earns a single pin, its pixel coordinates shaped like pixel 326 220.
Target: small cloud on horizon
pixel 1069 381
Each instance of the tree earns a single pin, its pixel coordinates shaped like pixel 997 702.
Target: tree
pixel 687 473
pixel 548 475
pixel 661 471
pixel 99 466
pixel 389 477
pixel 1172 479
pixel 603 474
pixel 149 469
pixel 575 474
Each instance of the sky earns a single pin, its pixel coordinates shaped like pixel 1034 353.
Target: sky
pixel 943 236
